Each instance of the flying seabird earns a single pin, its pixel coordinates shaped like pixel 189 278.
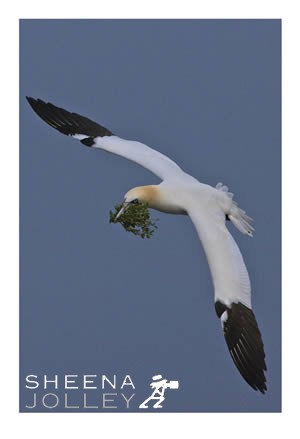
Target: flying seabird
pixel 208 208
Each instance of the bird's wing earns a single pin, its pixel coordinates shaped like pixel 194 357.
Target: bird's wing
pixel 232 295
pixel 92 134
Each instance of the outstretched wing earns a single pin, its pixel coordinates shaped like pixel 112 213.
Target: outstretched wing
pixel 232 295
pixel 92 134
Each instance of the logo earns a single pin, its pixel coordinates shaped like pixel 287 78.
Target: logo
pixel 159 386
pixel 91 392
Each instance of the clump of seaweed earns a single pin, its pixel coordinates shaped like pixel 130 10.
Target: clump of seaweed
pixel 136 219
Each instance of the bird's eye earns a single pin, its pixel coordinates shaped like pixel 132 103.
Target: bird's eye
pixel 135 201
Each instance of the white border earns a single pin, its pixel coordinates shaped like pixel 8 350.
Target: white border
pixel 146 425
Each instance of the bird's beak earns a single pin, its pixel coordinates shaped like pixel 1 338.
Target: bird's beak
pixel 124 207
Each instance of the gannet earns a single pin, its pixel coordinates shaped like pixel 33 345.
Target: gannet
pixel 208 208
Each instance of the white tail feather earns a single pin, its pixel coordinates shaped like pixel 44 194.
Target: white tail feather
pixel 237 216
pixel 242 224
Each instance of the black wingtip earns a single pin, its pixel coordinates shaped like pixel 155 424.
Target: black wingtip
pixel 245 343
pixel 34 102
pixel 66 122
pixel 30 100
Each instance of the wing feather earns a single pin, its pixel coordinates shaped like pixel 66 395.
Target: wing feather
pixel 232 296
pixel 229 273
pixel 92 134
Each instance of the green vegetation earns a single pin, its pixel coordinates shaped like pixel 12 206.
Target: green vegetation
pixel 136 219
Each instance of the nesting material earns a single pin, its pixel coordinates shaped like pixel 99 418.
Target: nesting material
pixel 136 219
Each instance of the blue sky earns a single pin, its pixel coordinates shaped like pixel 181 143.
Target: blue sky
pixel 97 300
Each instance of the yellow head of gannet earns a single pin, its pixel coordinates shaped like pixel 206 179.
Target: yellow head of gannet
pixel 156 197
pixel 149 195
pixel 144 194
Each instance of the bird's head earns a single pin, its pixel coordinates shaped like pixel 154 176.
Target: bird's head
pixel 142 194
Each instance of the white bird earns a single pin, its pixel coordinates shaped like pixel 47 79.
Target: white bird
pixel 208 208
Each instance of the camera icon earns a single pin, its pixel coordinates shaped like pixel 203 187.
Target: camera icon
pixel 172 385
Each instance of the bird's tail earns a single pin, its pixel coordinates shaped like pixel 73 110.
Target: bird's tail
pixel 241 220
pixel 237 216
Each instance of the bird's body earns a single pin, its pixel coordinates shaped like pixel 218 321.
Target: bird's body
pixel 208 208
